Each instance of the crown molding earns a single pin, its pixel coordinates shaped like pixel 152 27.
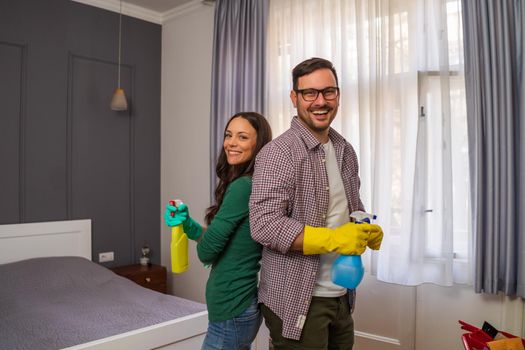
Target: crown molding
pixel 145 14
pixel 127 9
pixel 181 10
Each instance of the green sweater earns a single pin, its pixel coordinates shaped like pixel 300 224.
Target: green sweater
pixel 234 255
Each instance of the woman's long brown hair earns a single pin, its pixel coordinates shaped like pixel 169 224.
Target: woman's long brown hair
pixel 228 173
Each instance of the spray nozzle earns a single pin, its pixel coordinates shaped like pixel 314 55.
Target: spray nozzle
pixel 360 216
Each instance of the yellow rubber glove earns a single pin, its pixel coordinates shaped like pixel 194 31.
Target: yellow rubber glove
pixel 376 237
pixel 348 239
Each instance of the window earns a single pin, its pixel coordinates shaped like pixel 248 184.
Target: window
pixel 399 65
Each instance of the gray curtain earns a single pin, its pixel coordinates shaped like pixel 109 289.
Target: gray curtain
pixel 238 70
pixel 494 61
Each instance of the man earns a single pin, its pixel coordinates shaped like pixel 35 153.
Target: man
pixel 305 186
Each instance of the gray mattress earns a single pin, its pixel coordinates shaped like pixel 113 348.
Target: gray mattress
pixel 52 303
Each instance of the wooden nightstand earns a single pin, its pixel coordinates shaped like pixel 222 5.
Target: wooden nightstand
pixel 152 276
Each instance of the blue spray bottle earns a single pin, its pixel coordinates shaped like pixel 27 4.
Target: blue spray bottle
pixel 348 270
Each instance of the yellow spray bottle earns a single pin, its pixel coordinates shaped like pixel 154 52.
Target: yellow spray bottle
pixel 179 246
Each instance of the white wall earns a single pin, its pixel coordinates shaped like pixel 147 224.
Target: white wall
pixel 185 148
pixel 395 317
pixel 439 308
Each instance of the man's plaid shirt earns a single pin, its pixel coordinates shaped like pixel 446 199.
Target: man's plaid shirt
pixel 290 190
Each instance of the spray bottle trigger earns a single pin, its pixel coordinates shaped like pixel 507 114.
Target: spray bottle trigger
pixel 176 203
pixel 172 202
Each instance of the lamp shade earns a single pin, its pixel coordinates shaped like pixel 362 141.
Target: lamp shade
pixel 118 101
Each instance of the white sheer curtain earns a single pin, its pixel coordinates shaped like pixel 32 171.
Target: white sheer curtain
pixel 399 64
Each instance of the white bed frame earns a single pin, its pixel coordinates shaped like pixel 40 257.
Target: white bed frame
pixel 73 238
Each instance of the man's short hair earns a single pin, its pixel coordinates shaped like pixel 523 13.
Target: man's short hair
pixel 309 66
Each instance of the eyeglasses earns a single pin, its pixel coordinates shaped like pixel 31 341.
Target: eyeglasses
pixel 329 93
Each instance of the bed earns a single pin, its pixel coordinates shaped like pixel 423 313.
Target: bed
pixel 101 310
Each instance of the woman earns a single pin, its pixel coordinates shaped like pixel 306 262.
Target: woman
pixel 231 290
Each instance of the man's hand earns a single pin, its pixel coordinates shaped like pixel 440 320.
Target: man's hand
pixel 348 239
pixel 376 237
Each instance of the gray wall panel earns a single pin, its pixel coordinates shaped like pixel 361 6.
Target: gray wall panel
pixel 101 150
pixel 147 153
pixel 68 155
pixel 11 122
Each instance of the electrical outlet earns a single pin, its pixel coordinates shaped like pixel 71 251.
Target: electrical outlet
pixel 105 257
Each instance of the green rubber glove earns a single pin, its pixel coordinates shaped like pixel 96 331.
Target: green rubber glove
pixel 181 215
pixel 348 239
pixel 174 217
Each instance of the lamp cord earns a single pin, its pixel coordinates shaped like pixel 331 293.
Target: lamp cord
pixel 119 41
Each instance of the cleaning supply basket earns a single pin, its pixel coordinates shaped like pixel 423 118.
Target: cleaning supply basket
pixel 477 339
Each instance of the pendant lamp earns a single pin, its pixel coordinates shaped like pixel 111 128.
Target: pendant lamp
pixel 118 101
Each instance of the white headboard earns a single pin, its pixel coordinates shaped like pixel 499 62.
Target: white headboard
pixel 43 239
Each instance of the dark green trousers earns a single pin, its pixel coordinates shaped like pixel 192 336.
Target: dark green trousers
pixel 328 325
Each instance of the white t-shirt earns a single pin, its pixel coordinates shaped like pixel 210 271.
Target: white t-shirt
pixel 337 215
